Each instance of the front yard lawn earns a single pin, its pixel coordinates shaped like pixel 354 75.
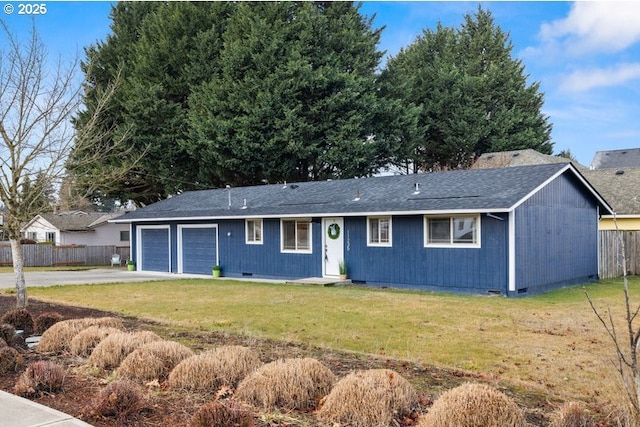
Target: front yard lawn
pixel 549 343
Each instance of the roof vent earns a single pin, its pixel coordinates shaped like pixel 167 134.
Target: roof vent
pixel 516 154
pixel 293 186
pixel 620 172
pixel 417 188
pixel 285 185
pixel 244 206
pixel 357 196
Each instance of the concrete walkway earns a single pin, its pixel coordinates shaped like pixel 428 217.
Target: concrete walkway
pixel 83 277
pixel 18 412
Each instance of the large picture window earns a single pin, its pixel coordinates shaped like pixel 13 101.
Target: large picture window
pixel 254 231
pixel 296 235
pixel 461 231
pixel 379 231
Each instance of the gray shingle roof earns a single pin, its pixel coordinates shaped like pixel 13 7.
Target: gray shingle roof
pixel 629 158
pixel 503 159
pixel 480 190
pixel 620 187
pixel 77 221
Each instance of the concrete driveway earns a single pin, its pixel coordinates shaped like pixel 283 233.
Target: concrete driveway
pixel 83 277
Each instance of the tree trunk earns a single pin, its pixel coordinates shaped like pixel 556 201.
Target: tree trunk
pixel 18 268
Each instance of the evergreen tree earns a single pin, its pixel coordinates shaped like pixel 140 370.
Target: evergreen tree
pixel 239 93
pixel 160 50
pixel 296 98
pixel 472 95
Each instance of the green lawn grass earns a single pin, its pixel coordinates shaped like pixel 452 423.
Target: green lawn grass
pixel 550 343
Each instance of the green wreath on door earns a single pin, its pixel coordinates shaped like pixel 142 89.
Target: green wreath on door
pixel 333 231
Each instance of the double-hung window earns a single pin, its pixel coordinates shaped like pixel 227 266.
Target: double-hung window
pixel 253 231
pixel 458 231
pixel 379 231
pixel 296 235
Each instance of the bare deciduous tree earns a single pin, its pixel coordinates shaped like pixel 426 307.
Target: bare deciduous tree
pixel 626 344
pixel 37 102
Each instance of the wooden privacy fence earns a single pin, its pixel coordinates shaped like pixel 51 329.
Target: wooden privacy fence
pixel 49 255
pixel 611 253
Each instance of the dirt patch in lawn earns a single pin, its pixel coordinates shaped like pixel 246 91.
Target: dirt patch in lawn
pixel 171 408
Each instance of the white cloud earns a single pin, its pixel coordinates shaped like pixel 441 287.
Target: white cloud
pixel 595 27
pixel 584 80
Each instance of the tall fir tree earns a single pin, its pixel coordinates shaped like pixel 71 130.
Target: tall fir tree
pixel 240 93
pixel 296 99
pixel 160 51
pixel 472 96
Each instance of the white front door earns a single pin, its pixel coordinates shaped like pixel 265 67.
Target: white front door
pixel 333 240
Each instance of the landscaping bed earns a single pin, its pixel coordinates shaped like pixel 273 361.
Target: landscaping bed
pixel 167 407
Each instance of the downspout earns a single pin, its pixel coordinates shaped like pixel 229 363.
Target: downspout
pixel 598 237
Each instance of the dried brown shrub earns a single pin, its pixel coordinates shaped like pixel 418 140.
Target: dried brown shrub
pixel 3 343
pixel 369 398
pixel 58 337
pixel 84 342
pixel 46 320
pixel 10 360
pixel 287 383
pixel 19 318
pixel 571 414
pixel 223 414
pixel 472 405
pixel 112 350
pixel 7 332
pixel 153 360
pixel 222 366
pixel 41 376
pixel 119 399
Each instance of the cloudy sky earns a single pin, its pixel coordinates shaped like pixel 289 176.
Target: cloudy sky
pixel 586 55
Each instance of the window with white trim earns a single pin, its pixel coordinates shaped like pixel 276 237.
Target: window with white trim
pixel 379 231
pixel 253 231
pixel 459 230
pixel 50 236
pixel 295 235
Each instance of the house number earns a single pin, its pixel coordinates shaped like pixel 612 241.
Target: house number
pixel 333 231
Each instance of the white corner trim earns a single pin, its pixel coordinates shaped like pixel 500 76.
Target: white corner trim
pixel 512 251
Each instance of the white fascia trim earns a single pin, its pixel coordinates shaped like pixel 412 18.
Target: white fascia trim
pixel 628 216
pixel 320 214
pixel 541 186
pixel 575 173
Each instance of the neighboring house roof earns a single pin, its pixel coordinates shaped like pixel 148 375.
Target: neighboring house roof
pixel 474 190
pixel 620 187
pixel 74 221
pixel 502 159
pixel 629 158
